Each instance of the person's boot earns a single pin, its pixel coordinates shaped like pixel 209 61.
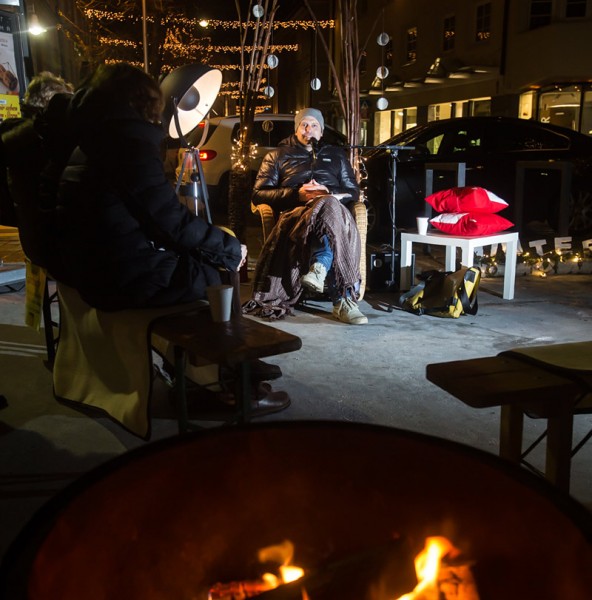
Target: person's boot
pixel 314 280
pixel 347 311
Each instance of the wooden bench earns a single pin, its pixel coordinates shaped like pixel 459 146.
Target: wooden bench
pixel 522 387
pixel 234 344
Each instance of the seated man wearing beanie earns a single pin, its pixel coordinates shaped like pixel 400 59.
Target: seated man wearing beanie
pixel 308 184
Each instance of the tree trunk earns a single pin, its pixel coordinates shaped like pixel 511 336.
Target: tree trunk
pixel 239 198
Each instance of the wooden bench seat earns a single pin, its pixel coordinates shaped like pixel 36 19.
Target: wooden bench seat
pixel 521 387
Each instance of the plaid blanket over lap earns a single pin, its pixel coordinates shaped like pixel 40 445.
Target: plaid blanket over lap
pixel 285 256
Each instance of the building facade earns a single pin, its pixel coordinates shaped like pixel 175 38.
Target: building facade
pixel 450 58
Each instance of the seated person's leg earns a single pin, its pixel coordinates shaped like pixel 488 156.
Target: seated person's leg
pixel 321 260
pixel 345 309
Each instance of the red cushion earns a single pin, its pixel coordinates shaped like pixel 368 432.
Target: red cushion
pixel 466 199
pixel 469 224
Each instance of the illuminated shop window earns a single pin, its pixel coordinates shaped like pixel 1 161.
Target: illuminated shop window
pixel 479 107
pixel 382 125
pixel 561 107
pixel 587 113
pixel 410 118
pixel 527 104
pixel 437 112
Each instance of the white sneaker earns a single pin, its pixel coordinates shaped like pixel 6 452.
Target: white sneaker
pixel 314 280
pixel 347 311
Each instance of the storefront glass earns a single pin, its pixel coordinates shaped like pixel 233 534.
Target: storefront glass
pixel 587 113
pixel 561 107
pixel 437 112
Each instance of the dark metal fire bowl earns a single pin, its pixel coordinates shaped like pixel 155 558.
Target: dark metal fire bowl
pixel 168 520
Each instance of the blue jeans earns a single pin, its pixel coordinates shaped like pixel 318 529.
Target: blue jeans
pixel 323 253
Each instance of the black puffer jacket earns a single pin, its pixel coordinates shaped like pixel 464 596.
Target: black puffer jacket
pixel 124 238
pixel 285 169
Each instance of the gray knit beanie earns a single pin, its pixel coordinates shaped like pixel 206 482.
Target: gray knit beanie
pixel 309 112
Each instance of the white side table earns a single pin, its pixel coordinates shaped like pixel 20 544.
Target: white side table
pixel 467 245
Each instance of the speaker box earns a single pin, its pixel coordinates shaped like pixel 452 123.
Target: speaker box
pixel 379 270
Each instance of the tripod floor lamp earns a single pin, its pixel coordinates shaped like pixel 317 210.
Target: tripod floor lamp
pixel 189 93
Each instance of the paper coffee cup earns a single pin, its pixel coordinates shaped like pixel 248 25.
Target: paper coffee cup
pixel 220 299
pixel 422 225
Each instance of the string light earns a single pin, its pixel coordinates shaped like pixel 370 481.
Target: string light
pixel 107 15
pixel 553 261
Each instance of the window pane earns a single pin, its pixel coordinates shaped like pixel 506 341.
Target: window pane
pixel 561 107
pixel 412 44
pixel 540 13
pixel 575 8
pixel 587 114
pixel 483 30
pixel 449 33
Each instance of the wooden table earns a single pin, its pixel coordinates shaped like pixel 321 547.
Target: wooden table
pixel 467 244
pixel 520 388
pixel 233 344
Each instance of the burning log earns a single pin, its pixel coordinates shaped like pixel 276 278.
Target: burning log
pixel 457 583
pixel 384 571
pixel 237 590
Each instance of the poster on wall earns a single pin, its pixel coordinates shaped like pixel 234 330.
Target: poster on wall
pixel 9 80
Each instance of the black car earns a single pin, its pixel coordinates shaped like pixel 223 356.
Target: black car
pixel 494 150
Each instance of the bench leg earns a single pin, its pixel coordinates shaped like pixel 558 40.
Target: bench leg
pixel 511 425
pixel 180 391
pixel 558 458
pixel 244 393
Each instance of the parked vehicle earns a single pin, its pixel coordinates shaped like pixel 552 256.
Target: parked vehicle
pixel 491 147
pixel 222 133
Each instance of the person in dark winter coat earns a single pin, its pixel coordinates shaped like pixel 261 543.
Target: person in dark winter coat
pixel 22 147
pixel 308 184
pixel 124 239
pixel 32 148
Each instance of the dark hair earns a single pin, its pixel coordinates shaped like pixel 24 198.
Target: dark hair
pixel 42 88
pixel 130 85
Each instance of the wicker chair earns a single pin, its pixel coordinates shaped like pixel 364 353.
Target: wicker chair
pixel 359 212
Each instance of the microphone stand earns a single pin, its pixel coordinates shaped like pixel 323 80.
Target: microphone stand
pixel 394 152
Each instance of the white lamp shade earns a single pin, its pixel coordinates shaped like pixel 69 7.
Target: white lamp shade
pixel 194 89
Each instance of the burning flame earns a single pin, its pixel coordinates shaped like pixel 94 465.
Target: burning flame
pixel 427 568
pixel 282 554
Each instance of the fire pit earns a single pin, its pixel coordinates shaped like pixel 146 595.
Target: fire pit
pixel 175 517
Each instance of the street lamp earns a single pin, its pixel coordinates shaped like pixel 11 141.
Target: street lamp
pixel 35 26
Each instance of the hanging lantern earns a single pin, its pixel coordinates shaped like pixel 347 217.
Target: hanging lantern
pixel 491 270
pixel 381 103
pixel 272 61
pixel 383 39
pixel 268 91
pixel 382 72
pixel 258 11
pixel 315 84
